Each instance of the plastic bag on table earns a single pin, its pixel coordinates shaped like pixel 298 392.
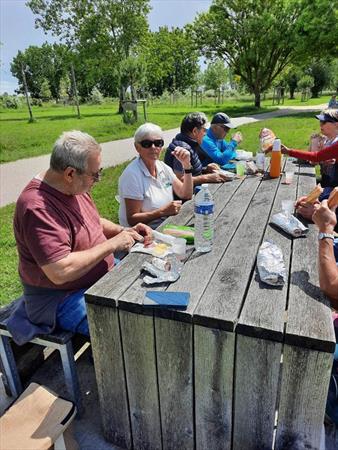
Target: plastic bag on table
pixel 289 223
pixel 270 264
pixel 243 155
pixel 161 246
pixel 251 168
pixel 162 270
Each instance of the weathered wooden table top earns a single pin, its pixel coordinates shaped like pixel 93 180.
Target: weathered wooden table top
pixel 225 290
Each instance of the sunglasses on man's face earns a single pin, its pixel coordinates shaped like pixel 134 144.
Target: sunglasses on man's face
pixel 147 143
pixel 225 128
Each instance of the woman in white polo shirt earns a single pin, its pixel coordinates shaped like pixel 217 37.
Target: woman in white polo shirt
pixel 147 184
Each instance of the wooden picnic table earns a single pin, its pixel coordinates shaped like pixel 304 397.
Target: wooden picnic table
pixel 245 366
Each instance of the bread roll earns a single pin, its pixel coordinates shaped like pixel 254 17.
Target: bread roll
pixel 333 199
pixel 314 194
pixel 266 138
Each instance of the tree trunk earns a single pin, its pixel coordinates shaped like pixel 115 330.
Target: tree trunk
pixel 75 91
pixel 121 98
pixel 257 99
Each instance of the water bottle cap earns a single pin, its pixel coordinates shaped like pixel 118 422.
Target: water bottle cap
pixel 205 185
pixel 276 145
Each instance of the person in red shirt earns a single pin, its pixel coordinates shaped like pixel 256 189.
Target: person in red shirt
pixel 328 153
pixel 64 246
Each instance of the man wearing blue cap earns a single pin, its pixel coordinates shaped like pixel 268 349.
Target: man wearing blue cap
pixel 214 145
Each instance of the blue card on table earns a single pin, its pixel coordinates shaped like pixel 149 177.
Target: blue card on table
pixel 167 299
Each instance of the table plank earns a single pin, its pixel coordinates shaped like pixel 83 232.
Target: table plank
pixel 306 373
pixel 106 346
pixel 303 398
pixel 256 382
pixel 175 381
pixel 214 361
pixel 258 357
pixel 137 334
pixel 309 321
pixel 263 313
pixel 222 300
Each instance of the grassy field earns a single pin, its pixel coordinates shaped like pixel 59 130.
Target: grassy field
pixel 293 130
pixel 20 139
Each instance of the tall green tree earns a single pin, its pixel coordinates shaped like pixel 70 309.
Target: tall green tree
pixel 260 38
pixel 103 32
pixel 47 62
pixel 215 75
pixel 171 60
pixel 320 71
pixel 45 92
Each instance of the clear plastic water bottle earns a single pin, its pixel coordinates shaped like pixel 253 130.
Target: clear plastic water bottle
pixel 204 220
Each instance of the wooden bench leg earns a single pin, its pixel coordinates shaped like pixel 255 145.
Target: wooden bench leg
pixel 9 365
pixel 69 369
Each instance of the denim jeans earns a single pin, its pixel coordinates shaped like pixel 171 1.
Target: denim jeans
pixel 71 314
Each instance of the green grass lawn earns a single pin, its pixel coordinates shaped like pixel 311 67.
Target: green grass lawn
pixel 20 139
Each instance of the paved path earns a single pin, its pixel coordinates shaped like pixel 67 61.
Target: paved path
pixel 15 175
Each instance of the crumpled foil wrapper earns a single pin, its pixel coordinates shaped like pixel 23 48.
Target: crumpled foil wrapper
pixel 270 264
pixel 289 223
pixel 162 271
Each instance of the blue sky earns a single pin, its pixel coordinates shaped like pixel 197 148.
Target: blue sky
pixel 17 29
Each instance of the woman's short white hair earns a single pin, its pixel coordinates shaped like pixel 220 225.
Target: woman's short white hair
pixel 72 149
pixel 145 130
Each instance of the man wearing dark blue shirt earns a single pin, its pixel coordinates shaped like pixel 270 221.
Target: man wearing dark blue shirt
pixel 193 129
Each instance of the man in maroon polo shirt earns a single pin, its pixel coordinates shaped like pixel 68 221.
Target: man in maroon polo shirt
pixel 64 245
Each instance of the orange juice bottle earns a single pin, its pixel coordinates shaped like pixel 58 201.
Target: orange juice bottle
pixel 276 159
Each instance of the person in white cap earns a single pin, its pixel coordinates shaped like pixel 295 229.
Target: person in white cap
pixel 214 145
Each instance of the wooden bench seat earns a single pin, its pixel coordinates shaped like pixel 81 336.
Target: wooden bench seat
pixel 59 340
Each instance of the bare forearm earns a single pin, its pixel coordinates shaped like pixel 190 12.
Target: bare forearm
pixel 145 217
pixel 110 229
pixel 185 188
pixel 77 264
pixel 328 271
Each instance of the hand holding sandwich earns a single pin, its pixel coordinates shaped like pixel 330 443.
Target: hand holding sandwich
pixel 325 217
pixel 305 204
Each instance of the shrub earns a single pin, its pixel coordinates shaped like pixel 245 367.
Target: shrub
pixel 10 101
pixel 96 98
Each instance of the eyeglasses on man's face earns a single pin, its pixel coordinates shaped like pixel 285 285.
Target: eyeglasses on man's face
pixel 96 176
pixel 147 143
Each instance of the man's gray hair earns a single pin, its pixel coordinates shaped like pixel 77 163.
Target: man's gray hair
pixel 72 149
pixel 145 130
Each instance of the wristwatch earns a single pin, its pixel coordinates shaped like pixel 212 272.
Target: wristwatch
pixel 325 236
pixel 188 170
